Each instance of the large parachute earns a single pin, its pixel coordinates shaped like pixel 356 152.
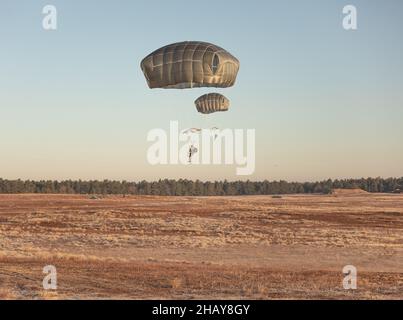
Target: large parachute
pixel 212 102
pixel 190 64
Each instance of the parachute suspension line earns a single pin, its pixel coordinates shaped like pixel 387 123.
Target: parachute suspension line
pixel 206 121
pixel 188 118
pixel 212 66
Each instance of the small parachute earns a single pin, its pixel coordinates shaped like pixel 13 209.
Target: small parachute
pixel 191 131
pixel 212 102
pixel 192 134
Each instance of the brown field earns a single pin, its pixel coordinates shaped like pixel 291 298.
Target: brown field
pixel 257 247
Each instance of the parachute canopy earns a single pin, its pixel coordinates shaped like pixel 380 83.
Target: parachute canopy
pixel 190 64
pixel 191 131
pixel 212 102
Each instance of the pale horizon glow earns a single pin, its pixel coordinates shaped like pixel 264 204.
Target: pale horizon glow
pixel 325 102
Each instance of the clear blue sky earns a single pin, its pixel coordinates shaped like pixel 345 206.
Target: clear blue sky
pixel 325 102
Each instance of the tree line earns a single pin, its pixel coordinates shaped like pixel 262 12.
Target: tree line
pixel 183 187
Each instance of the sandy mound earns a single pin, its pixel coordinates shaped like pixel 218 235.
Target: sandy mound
pixel 346 192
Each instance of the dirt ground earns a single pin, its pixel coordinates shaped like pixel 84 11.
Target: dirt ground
pixel 256 247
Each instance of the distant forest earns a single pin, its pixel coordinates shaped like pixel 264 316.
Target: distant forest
pixel 197 188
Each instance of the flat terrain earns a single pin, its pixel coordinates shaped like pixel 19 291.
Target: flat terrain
pixel 258 247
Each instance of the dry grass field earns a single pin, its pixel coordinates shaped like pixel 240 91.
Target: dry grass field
pixel 257 247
